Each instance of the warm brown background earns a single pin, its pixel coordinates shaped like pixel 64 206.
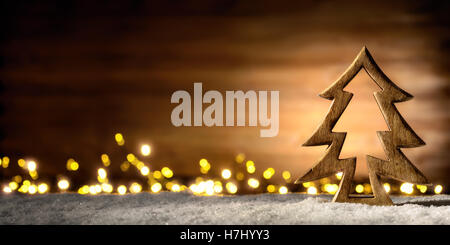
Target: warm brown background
pixel 75 73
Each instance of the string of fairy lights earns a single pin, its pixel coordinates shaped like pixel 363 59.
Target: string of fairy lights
pixel 241 179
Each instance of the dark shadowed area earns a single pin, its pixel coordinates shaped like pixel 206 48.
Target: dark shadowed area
pixel 74 73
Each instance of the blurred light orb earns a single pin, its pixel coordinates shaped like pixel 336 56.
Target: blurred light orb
pixel 13 185
pixel 407 188
pixel 226 174
pixel 359 188
pixel 286 175
pixel 17 178
pixel 145 150
pixel 253 183
pixel 157 174
pixel 231 188
pixel 4 162
pixel 167 172
pixel 119 139
pixel 283 190
pixel 135 188
pixel 122 190
pixel 42 188
pixel 240 176
pixel 271 188
pixel 311 190
pixel 63 184
pixel 156 187
pixel 218 188
pixel 268 173
pixel 72 165
pixel 107 188
pixel 307 184
pixel 32 189
pixel 145 170
pixel 7 189
pixel 83 190
pixel 240 158
pixel 331 188
pixel 176 188
pixel 105 160
pixel 422 188
pixel 203 162
pixel 125 166
pixel 31 165
pixel 251 169
pixel 20 162
pixel 339 175
pixel 92 190
pixel 387 187
pixel 131 158
pixel 438 189
pixel 101 173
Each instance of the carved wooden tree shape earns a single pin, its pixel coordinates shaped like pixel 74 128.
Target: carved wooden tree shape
pixel 400 136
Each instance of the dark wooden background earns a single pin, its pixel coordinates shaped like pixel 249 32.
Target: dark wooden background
pixel 73 73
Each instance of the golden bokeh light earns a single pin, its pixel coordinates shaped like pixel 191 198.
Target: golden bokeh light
pixel 251 169
pixel 311 190
pixel 31 166
pixel 331 188
pixel 271 188
pixel 105 160
pixel 72 165
pixel 253 183
pixel 107 188
pixel 131 158
pixel 63 184
pixel 146 150
pixel 101 173
pixel 157 174
pixel 42 188
pixel 387 187
pixel 119 139
pixel 21 162
pixel 226 174
pixel 124 166
pixel 283 190
pixel 32 189
pixel 7 189
pixel 307 184
pixel 438 189
pixel 83 190
pixel 13 185
pixel 176 188
pixel 167 172
pixel 359 188
pixel 231 188
pixel 286 175
pixel 407 188
pixel 135 188
pixel 122 190
pixel 268 173
pixel 156 187
pixel 422 188
pixel 145 171
pixel 240 158
pixel 240 176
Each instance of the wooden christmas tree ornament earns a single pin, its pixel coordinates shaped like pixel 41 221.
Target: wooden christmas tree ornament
pixel 400 136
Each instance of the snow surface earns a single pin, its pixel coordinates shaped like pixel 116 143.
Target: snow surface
pixel 184 208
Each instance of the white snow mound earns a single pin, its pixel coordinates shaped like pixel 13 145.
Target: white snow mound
pixel 184 208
